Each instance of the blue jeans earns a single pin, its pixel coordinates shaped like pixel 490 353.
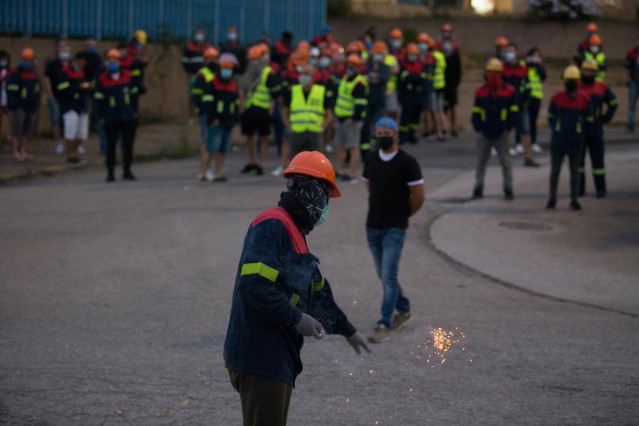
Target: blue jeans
pixel 218 139
pixel 386 246
pixel 633 94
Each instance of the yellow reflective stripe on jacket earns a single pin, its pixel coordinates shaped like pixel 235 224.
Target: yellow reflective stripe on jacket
pixel 480 111
pixel 261 97
pixel 345 105
pixel 294 299
pixel 306 114
pixel 207 98
pixel 514 108
pixel 391 61
pixel 598 172
pixel 260 269
pixel 98 95
pixel 504 114
pixel 439 77
pixel 13 87
pixel 318 285
pixel 600 58
pixel 64 85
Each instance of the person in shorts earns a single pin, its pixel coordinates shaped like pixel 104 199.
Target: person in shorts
pixel 220 104
pixel 23 93
pixel 73 89
pixel 52 68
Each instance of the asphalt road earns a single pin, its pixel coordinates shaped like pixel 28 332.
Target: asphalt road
pixel 115 300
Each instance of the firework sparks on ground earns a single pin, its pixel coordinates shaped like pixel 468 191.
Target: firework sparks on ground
pixel 438 344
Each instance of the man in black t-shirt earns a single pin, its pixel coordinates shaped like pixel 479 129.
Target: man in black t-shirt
pixel 396 192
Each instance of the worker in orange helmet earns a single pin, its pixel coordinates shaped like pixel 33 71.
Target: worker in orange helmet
pixel 426 46
pixel 412 80
pixel 350 110
pixel 281 296
pixel 595 52
pixel 193 61
pixel 378 73
pixel 584 45
pixel 452 74
pixel 500 45
pixel 201 80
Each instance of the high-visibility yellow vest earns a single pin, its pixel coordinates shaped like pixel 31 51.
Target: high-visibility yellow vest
pixel 261 97
pixel 391 61
pixel 345 105
pixel 307 114
pixel 534 84
pixel 439 77
pixel 600 58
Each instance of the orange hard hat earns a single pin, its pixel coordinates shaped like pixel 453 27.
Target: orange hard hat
pixel 446 28
pixel 265 48
pixel 594 40
pixel 501 42
pixel 592 28
pixel 299 58
pixel 353 59
pixel 114 53
pixel 313 164
pixel 360 45
pixel 28 54
pixel 211 52
pixel 352 47
pixel 395 33
pixel 327 52
pixel 412 49
pixel 431 42
pixel 303 45
pixel 379 47
pixel 422 38
pixel 336 47
pixel 254 52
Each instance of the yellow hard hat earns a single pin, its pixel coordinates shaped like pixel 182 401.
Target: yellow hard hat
pixel 571 73
pixel 494 64
pixel 590 64
pixel 140 36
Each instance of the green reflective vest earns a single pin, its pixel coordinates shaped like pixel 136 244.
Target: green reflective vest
pixel 261 97
pixel 534 84
pixel 345 105
pixel 439 76
pixel 600 58
pixel 391 61
pixel 306 114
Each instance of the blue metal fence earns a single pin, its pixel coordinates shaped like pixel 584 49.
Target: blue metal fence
pixel 175 19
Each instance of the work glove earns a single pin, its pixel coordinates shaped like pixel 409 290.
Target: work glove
pixel 357 341
pixel 309 326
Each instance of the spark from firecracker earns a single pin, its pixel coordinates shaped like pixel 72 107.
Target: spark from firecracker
pixel 438 345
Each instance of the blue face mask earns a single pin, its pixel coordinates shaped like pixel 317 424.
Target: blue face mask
pixel 447 47
pixel 423 47
pixel 324 62
pixel 323 217
pixel 313 62
pixel 378 57
pixel 64 56
pixel 198 37
pixel 3 64
pixel 509 56
pixel 226 73
pixel 231 36
pixel 113 67
pixel 369 46
pixel 25 64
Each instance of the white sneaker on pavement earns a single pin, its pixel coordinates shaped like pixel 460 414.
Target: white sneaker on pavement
pixel 512 152
pixel 59 149
pixel 493 152
pixel 81 150
pixel 209 176
pixel 278 171
pixel 519 148
pixel 536 148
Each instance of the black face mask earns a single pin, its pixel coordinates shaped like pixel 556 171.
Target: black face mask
pixel 385 142
pixel 571 86
pixel 589 80
pixel 212 66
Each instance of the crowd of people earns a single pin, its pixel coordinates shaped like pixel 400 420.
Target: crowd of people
pixel 312 95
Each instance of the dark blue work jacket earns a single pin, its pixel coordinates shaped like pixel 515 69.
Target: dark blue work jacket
pixel 277 280
pixel 568 117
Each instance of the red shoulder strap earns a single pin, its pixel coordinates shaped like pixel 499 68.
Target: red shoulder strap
pixel 299 242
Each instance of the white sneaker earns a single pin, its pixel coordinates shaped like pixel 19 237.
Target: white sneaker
pixel 493 152
pixel 81 150
pixel 519 148
pixel 536 148
pixel 329 149
pixel 278 171
pixel 59 149
pixel 209 176
pixel 512 152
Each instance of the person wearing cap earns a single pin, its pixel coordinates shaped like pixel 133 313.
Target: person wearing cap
pixel 584 45
pixel 595 52
pixel 73 89
pixel 52 67
pixel 632 64
pixel 410 89
pixel 23 100
pixel 426 46
pixel 281 296
pixel 201 80
pixel 258 89
pixel 306 112
pixel 393 59
pixel 117 93
pixel 500 44
pixel 220 104
pixel 350 109
pixel 395 193
pixel 233 46
pixel 193 61
pixel 452 75
pixel 134 59
pixel 604 105
pixel 494 114
pixel 569 114
pixel 378 73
